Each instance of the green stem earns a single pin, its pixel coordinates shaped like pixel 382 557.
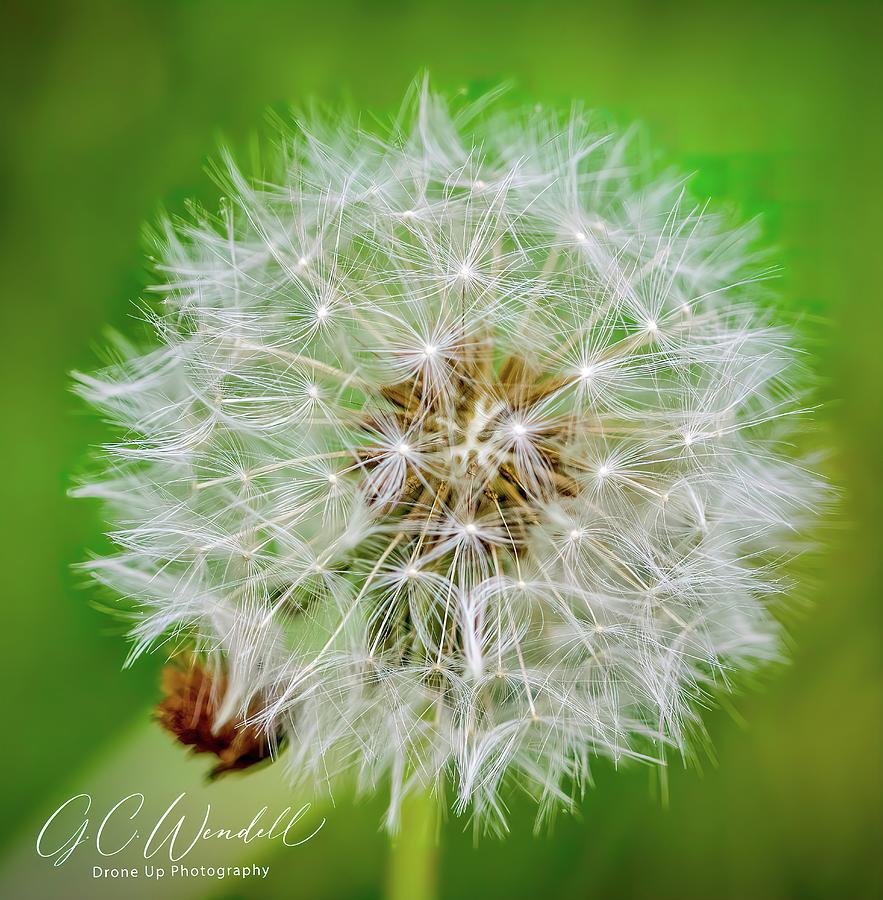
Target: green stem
pixel 413 860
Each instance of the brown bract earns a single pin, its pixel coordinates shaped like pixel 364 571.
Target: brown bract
pixel 188 711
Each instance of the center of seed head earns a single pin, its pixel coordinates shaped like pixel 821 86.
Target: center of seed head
pixel 473 459
pixel 476 447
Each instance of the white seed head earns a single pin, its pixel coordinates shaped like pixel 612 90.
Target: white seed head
pixel 446 526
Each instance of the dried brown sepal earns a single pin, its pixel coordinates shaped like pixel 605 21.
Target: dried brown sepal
pixel 188 711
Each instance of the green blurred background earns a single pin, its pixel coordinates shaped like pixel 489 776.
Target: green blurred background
pixel 111 109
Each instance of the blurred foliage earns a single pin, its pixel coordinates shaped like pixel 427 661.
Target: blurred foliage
pixel 111 107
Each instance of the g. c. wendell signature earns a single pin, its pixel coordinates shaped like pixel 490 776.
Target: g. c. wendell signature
pixel 57 839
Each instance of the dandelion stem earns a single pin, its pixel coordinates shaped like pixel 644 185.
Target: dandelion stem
pixel 412 872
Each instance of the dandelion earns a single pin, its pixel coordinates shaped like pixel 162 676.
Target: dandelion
pixel 456 459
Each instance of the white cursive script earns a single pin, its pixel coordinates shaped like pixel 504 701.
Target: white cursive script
pixel 57 839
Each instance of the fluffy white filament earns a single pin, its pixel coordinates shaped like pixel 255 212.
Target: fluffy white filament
pixel 460 451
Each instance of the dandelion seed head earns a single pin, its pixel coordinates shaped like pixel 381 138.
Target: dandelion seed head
pixel 430 495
